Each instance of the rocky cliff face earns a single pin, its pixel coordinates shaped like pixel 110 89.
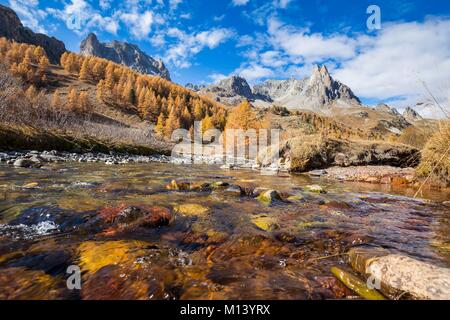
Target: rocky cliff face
pixel 195 87
pixel 12 28
pixel 124 53
pixel 411 115
pixel 318 92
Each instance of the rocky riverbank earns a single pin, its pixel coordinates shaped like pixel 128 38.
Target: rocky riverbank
pixel 36 159
pixel 369 174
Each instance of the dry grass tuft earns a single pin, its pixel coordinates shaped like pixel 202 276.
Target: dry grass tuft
pixel 436 156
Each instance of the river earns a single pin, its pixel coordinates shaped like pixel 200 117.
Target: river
pixel 216 245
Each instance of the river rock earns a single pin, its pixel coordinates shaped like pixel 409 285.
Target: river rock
pixel 128 215
pixel 23 163
pixel 232 191
pixel 269 197
pixel 219 184
pixel 401 275
pixel 178 185
pixel 191 209
pixel 315 188
pixel 265 222
pixel 156 217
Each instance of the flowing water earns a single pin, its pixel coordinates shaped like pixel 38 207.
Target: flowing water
pixel 201 244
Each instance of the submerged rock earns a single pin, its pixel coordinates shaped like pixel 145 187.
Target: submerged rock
pixel 233 191
pixel 178 185
pixel 315 188
pixel 265 222
pixel 191 209
pixel 269 197
pixel 128 218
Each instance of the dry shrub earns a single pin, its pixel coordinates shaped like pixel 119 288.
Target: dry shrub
pixel 310 152
pixel 416 137
pixel 436 156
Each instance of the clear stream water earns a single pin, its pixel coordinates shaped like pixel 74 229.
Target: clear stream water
pixel 216 246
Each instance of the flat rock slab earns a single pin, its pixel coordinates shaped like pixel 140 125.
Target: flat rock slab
pixel 372 174
pixel 399 274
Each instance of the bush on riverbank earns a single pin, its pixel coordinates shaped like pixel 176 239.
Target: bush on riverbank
pixel 311 152
pixel 435 162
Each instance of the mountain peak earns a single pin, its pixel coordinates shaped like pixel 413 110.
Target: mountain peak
pixel 92 37
pixel 383 107
pixel 411 115
pixel 124 53
pixel 318 92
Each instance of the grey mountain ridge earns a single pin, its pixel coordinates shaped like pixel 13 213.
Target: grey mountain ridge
pixel 318 92
pixel 124 53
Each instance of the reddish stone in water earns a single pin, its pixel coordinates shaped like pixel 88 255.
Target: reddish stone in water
pixel 109 214
pixel 156 217
pixel 123 218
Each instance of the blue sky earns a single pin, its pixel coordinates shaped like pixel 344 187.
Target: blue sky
pixel 203 41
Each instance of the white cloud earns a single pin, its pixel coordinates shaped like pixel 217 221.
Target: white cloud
pixel 393 64
pixel 239 2
pixel 253 72
pixel 139 24
pixel 105 4
pixel 219 18
pixel 29 13
pixel 81 17
pixel 272 59
pixel 186 16
pixel 298 42
pixel 212 38
pixel 216 77
pixel 188 45
pixel 174 3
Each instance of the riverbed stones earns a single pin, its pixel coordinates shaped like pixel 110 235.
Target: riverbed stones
pixel 402 276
